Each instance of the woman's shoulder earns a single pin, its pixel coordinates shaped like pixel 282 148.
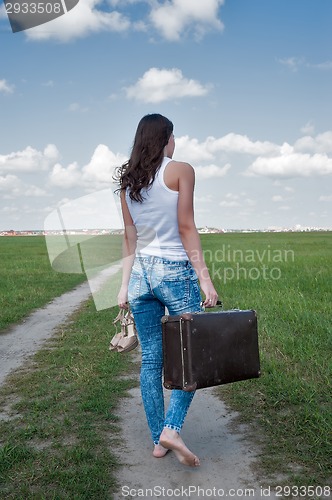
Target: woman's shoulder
pixel 178 172
pixel 181 166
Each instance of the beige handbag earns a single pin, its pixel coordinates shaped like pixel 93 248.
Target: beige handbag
pixel 126 340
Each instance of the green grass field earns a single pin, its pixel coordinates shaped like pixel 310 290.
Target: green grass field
pixel 27 280
pixel 292 296
pixel 57 414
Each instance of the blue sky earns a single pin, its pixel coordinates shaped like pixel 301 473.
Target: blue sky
pixel 247 84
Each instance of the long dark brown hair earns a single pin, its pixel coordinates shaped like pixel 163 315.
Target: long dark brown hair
pixel 152 135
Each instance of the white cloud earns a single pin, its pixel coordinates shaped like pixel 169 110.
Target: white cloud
pixel 322 143
pixel 6 87
pixel 293 63
pixel 9 183
pixel 236 143
pixel 85 18
pixel 51 152
pixel 76 107
pixel 97 174
pixel 99 171
pixel 272 160
pixel 286 149
pixel 291 165
pixel 191 150
pixel 12 187
pixel 9 210
pixel 250 202
pixel 207 198
pixel 326 65
pixel 29 160
pixel 175 17
pixel 170 20
pixel 308 128
pixel 325 198
pixel 34 192
pixel 65 177
pixel 238 200
pixel 277 198
pixel 229 203
pixel 49 83
pixel 157 85
pixel 232 196
pixel 211 171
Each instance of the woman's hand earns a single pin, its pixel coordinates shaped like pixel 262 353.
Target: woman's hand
pixel 123 297
pixel 211 296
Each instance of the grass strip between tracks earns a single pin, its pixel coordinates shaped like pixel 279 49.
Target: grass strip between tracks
pixel 58 420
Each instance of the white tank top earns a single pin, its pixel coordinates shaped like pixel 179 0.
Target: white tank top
pixel 156 220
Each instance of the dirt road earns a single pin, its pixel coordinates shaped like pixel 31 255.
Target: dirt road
pixel 227 456
pixel 23 340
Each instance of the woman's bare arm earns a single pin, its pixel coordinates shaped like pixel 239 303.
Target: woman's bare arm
pixel 128 250
pixel 188 232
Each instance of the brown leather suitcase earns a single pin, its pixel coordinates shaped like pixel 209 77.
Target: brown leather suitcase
pixel 209 348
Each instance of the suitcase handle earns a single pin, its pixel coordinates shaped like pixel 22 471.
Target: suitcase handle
pixel 218 304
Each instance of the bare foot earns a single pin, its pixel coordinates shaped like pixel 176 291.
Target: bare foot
pixel 171 440
pixel 159 451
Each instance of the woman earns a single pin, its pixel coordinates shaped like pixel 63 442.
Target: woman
pixel 162 266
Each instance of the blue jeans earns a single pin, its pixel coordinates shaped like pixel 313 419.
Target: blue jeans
pixel 155 283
